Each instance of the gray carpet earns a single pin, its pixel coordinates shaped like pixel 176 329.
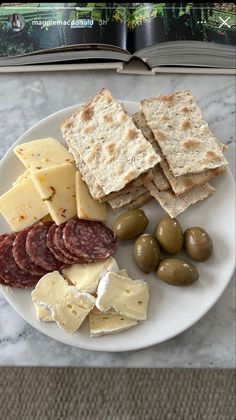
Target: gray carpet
pixel 116 394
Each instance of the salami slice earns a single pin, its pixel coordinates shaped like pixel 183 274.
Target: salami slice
pixel 22 257
pixel 53 248
pixel 36 246
pixel 10 273
pixel 90 238
pixel 59 242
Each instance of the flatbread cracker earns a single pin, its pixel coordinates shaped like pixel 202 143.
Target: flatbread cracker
pixel 159 179
pixel 182 133
pixel 174 205
pixel 127 197
pixel 113 149
pixel 139 201
pixel 148 176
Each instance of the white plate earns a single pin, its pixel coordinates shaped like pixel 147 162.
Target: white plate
pixel 171 310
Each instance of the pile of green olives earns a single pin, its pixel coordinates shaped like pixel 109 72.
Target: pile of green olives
pixel 169 238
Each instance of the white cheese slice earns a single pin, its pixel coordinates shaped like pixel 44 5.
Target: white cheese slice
pixel 56 186
pixel 101 323
pixel 42 153
pixel 87 276
pixel 87 207
pixel 55 300
pixel 22 205
pixel 126 296
pixel 50 290
pixel 70 314
pixel 23 176
pixel 43 313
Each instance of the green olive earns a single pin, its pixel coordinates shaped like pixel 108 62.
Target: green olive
pixel 146 253
pixel 130 224
pixel 198 244
pixel 177 272
pixel 169 235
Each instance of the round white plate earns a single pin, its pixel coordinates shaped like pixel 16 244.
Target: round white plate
pixel 171 309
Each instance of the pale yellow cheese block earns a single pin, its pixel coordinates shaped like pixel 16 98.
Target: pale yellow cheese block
pixel 42 153
pixel 87 207
pixel 22 205
pixel 101 323
pixel 86 276
pixel 20 178
pixel 56 187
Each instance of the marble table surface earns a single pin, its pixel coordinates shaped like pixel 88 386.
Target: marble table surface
pixel 27 98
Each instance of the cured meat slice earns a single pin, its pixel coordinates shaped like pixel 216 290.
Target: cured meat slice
pixel 22 257
pixel 60 244
pixel 10 273
pixel 55 250
pixel 36 246
pixel 90 239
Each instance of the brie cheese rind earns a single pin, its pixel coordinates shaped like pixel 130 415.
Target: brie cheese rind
pixel 87 276
pixel 42 153
pixel 126 296
pixel 56 301
pixel 101 323
pixel 72 311
pixel 56 187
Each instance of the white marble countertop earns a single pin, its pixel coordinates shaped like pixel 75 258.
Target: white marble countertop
pixel 27 98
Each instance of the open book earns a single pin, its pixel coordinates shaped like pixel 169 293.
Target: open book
pixel 159 34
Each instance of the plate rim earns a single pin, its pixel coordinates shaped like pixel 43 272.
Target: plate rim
pixel 93 346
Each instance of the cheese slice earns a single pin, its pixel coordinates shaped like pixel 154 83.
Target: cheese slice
pixel 87 207
pixel 42 153
pixel 43 313
pixel 22 205
pixel 56 187
pixel 101 323
pixel 23 176
pixel 86 276
pixel 126 296
pixel 70 314
pixel 55 300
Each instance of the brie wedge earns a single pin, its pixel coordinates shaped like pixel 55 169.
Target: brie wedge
pixel 126 296
pixel 101 323
pixel 87 276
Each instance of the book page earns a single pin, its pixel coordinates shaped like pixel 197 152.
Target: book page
pixel 30 28
pixel 154 23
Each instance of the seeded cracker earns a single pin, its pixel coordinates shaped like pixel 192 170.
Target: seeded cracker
pixel 113 149
pixel 174 205
pixel 182 133
pixel 179 184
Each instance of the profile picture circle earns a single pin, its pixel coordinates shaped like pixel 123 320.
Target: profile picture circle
pixel 15 22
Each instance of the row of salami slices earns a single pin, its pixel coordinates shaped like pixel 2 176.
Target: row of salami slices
pixel 28 255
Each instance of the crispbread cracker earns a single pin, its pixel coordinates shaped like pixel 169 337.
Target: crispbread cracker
pixel 182 133
pixel 174 205
pixel 109 143
pixel 184 183
pixel 127 197
pixel 179 184
pixel 148 176
pixel 159 179
pixel 139 201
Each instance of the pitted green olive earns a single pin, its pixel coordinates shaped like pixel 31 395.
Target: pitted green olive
pixel 198 244
pixel 130 224
pixel 169 235
pixel 146 253
pixel 177 272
